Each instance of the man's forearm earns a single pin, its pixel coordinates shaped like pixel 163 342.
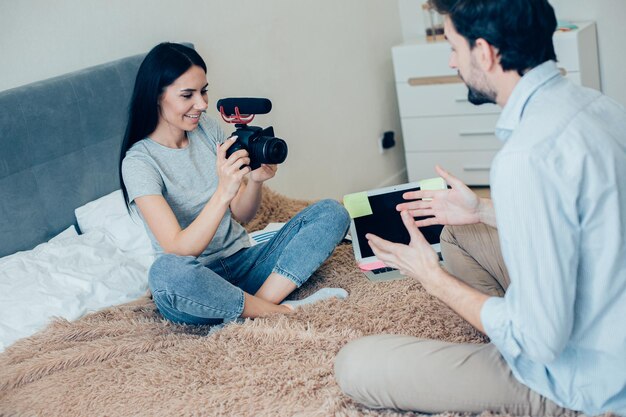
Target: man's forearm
pixel 465 300
pixel 486 212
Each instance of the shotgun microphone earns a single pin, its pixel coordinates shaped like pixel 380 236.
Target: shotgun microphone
pixel 243 105
pixel 262 146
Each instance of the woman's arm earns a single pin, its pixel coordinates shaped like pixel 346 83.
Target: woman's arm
pixel 194 239
pixel 245 205
pixel 190 241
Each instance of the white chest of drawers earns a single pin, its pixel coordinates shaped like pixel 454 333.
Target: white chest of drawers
pixel 440 126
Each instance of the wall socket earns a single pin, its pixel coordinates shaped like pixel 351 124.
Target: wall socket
pixel 386 141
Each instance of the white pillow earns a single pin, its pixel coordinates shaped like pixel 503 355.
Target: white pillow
pixel 66 277
pixel 69 232
pixel 108 214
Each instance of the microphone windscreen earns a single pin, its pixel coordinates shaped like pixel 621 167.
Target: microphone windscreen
pixel 246 105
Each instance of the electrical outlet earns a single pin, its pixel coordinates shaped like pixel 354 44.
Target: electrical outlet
pixel 386 141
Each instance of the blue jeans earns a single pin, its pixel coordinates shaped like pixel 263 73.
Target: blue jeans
pixel 186 291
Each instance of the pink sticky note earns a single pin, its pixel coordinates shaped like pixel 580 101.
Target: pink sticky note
pixel 372 266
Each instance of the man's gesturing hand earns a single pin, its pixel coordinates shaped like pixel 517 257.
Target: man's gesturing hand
pixel 456 206
pixel 417 259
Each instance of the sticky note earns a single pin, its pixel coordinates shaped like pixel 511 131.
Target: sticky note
pixel 371 266
pixel 357 204
pixel 436 183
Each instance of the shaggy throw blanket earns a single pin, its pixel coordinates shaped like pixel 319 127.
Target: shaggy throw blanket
pixel 127 360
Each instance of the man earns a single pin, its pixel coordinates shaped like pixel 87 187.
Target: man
pixel 541 270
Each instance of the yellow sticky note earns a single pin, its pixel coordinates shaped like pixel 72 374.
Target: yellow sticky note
pixel 436 183
pixel 357 204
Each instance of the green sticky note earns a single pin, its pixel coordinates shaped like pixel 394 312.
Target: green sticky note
pixel 436 183
pixel 357 204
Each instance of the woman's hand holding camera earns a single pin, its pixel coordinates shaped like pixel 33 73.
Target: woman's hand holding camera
pixel 229 170
pixel 263 173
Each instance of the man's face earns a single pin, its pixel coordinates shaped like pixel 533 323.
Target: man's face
pixel 464 60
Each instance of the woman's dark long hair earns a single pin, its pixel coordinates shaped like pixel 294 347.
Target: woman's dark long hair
pixel 160 68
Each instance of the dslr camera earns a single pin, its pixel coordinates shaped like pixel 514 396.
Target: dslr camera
pixel 261 144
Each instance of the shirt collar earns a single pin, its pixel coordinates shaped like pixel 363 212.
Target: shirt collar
pixel 531 81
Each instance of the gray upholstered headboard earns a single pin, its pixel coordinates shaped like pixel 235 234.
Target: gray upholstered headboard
pixel 59 147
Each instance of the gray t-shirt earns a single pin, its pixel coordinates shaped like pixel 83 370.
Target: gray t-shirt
pixel 187 179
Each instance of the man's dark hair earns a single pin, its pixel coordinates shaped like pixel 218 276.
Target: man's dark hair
pixel 521 30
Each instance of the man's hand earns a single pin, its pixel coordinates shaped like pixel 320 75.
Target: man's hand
pixel 457 206
pixel 416 260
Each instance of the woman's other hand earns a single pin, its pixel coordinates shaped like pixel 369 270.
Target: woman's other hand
pixel 263 173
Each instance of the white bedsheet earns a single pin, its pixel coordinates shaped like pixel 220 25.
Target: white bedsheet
pixel 66 277
pixel 72 274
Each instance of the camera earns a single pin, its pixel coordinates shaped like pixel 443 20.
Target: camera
pixel 262 146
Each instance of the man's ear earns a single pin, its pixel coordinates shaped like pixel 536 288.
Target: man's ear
pixel 487 55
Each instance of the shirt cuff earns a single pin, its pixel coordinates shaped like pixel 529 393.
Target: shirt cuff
pixel 497 324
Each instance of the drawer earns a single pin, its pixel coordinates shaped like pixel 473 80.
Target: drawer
pixel 457 133
pixel 430 59
pixel 450 99
pixel 471 167
pixel 438 100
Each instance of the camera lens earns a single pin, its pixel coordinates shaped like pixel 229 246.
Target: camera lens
pixel 274 151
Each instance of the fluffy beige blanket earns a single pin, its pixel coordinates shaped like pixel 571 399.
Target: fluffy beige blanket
pixel 127 360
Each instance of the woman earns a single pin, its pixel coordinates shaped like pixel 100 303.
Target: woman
pixel 174 172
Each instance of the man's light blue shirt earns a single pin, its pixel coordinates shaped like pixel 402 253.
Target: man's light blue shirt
pixel 559 192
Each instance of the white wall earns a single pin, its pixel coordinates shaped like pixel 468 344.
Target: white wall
pixel 609 16
pixel 325 64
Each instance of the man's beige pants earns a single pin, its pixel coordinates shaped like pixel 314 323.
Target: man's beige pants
pixel 431 376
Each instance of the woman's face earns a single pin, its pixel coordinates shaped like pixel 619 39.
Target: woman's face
pixel 183 101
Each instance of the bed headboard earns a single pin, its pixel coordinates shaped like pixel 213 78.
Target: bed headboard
pixel 59 149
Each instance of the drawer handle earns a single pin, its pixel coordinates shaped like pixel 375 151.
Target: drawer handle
pixel 461 100
pixel 444 79
pixel 478 133
pixel 449 79
pixel 476 168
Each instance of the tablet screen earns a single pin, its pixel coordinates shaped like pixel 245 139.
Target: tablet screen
pixel 385 222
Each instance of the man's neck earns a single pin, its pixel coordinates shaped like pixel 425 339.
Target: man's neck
pixel 505 83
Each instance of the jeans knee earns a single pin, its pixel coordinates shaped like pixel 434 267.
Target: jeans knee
pixel 337 214
pixel 166 269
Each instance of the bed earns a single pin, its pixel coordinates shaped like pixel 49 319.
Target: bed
pixel 81 337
